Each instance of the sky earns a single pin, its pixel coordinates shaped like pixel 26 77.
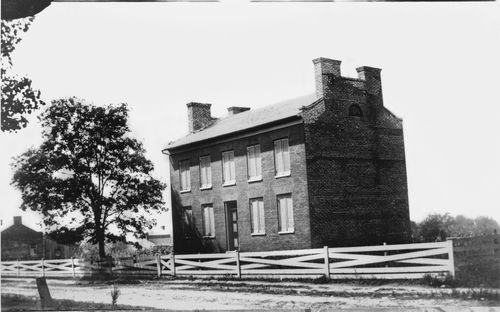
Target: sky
pixel 440 73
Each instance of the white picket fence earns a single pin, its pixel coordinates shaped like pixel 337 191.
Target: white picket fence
pixel 406 261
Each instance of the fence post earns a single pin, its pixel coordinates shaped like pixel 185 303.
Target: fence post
pixel 110 264
pixel 18 268
pixel 451 257
pixel 158 264
pixel 385 255
pixel 172 263
pixel 327 262
pixel 43 267
pixel 73 266
pixel 238 266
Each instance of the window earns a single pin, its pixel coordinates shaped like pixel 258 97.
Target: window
pixel 33 250
pixel 257 216
pixel 185 175
pixel 205 172
pixel 228 169
pixel 281 157
pixel 285 213
pixel 187 222
pixel 355 110
pixel 254 163
pixel 208 220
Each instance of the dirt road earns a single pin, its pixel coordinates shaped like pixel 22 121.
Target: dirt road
pixel 217 295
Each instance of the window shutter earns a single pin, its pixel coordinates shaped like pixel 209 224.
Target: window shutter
pixel 286 155
pixel 262 226
pixel 258 164
pixel 225 169
pixel 232 167
pixel 208 171
pixel 277 156
pixel 254 216
pixel 212 221
pixel 283 216
pixel 205 221
pixel 290 213
pixel 251 160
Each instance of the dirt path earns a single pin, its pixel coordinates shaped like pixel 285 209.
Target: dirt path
pixel 212 295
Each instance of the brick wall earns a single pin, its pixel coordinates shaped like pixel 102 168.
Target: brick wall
pixel 356 166
pixel 268 188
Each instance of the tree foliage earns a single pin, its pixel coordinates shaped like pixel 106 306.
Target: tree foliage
pixel 437 227
pixel 88 170
pixel 67 236
pixel 18 96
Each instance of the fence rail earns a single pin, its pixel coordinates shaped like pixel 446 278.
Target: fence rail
pixel 404 261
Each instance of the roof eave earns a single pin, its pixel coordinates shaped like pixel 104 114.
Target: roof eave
pixel 169 150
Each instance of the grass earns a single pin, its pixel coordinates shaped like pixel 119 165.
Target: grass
pixel 13 302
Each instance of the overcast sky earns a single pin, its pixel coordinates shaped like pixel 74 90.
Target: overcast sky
pixel 440 73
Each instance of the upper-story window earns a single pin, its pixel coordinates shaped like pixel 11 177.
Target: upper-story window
pixel 228 168
pixel 205 172
pixel 254 163
pixel 185 175
pixel 285 213
pixel 281 157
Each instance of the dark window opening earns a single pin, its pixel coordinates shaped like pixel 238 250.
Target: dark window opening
pixel 355 110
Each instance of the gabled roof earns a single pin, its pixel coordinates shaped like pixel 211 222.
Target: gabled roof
pixel 20 229
pixel 247 120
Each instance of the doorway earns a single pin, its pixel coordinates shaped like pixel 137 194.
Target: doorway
pixel 232 225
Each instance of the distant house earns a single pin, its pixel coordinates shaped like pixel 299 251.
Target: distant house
pixel 324 169
pixel 23 243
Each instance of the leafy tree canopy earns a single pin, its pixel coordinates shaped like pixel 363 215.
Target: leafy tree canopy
pixel 67 236
pixel 18 96
pixel 440 226
pixel 89 172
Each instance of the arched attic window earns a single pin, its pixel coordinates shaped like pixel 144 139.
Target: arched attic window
pixel 355 110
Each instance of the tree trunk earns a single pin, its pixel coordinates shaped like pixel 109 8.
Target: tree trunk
pixel 100 242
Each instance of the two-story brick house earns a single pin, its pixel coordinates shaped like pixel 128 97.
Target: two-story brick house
pixel 325 169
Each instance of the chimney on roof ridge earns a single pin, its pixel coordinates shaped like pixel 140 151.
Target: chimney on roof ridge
pixel 18 220
pixel 373 84
pixel 233 110
pixel 324 67
pixel 199 116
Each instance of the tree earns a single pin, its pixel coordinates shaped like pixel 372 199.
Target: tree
pixel 67 236
pixel 485 226
pixel 440 226
pixel 435 227
pixel 18 96
pixel 90 172
pixel 461 227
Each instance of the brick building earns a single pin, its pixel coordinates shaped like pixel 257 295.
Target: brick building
pixel 324 169
pixel 20 242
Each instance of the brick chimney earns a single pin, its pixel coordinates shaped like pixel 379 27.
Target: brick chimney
pixel 324 69
pixel 199 116
pixel 373 84
pixel 18 220
pixel 233 110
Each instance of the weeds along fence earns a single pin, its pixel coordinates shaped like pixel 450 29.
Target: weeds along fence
pixel 405 261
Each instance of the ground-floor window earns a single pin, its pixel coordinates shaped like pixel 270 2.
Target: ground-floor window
pixel 208 220
pixel 257 216
pixel 285 213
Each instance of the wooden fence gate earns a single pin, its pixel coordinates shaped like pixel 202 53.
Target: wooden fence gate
pixel 405 261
